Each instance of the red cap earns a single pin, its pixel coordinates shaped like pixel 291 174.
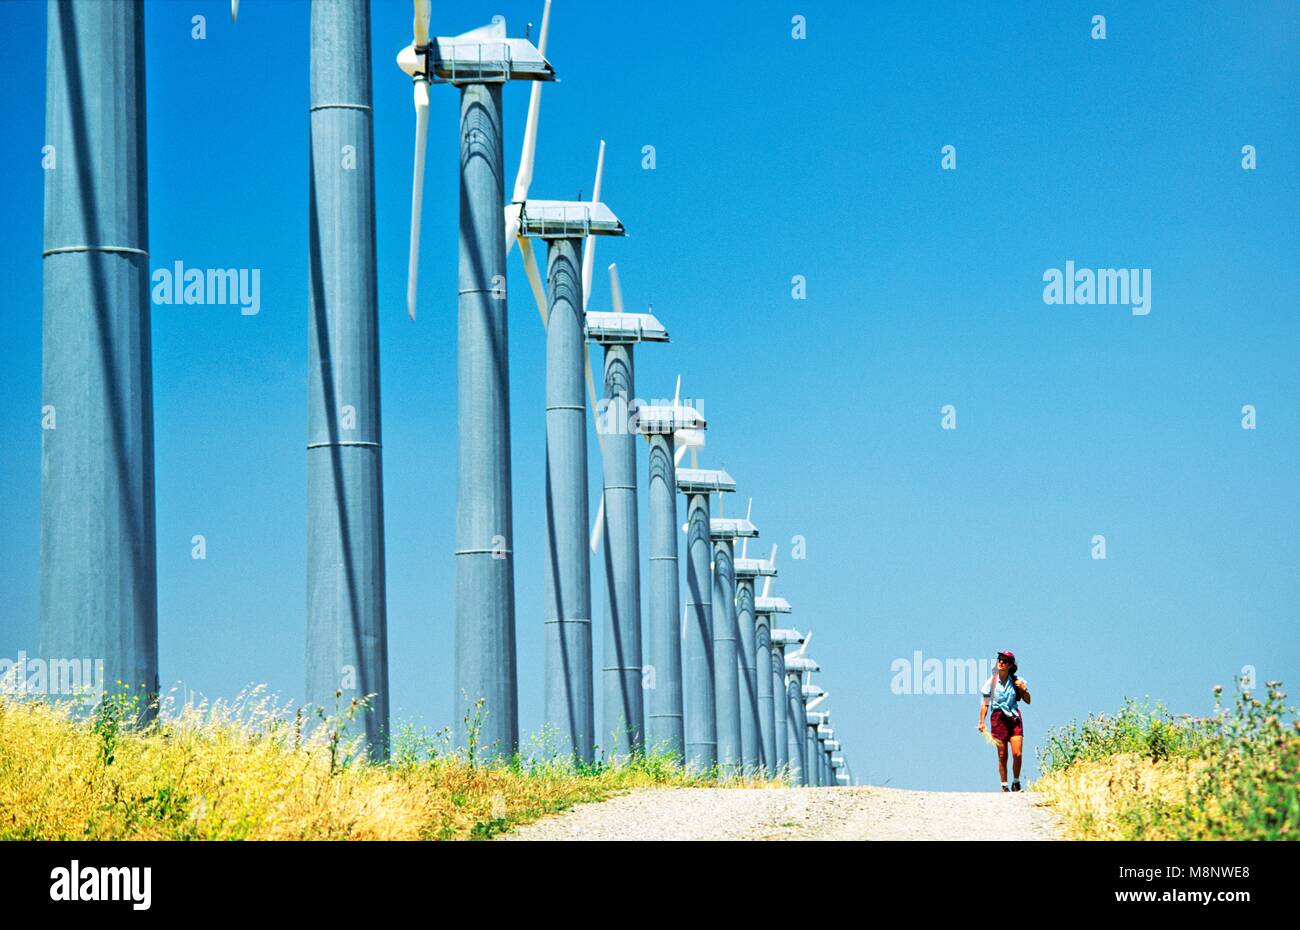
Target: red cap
pixel 1009 654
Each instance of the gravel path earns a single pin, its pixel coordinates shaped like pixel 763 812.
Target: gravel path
pixel 866 813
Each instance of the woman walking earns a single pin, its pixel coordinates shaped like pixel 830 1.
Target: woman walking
pixel 1005 691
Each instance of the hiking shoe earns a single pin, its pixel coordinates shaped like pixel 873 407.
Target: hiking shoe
pixel 1015 786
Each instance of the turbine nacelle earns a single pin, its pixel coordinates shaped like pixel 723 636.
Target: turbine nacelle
pixel 801 664
pixel 704 481
pixel 754 568
pixel 617 328
pixel 567 219
pixel 662 419
pixel 774 604
pixel 482 55
pixel 786 637
pixel 731 528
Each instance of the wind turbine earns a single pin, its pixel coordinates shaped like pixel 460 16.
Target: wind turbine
pixel 98 589
pixel 479 62
pixel 565 225
pixel 753 748
pixel 702 670
pixel 813 696
pixel 796 666
pixel 661 425
pixel 824 735
pixel 619 332
pixel 758 681
pixel 782 638
pixel 737 731
pixel 347 639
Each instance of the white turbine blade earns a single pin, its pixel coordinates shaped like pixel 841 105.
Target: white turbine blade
pixel 589 244
pixel 513 210
pixel 534 276
pixel 744 544
pixel 546 27
pixel 234 11
pixel 528 153
pixel 695 456
pixel 615 289
pixel 677 394
pixel 524 178
pixel 817 700
pixel 767 581
pixel 593 399
pixel 678 454
pixel 803 646
pixel 420 28
pixel 417 189
pixel 599 526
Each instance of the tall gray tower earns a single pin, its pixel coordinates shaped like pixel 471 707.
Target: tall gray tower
pixel 98 589
pixel 479 62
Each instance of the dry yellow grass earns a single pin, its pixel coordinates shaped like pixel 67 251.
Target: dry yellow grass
pixel 1097 798
pixel 244 771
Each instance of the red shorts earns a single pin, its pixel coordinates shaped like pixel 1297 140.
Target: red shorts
pixel 1004 727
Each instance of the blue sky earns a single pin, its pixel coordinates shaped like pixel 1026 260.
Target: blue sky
pixel 775 158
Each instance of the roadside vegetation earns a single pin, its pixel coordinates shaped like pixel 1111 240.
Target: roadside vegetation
pixel 1142 773
pixel 254 769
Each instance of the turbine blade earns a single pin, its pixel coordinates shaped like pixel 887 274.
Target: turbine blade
pixel 677 394
pixel 589 244
pixel 588 260
pixel 512 225
pixel 599 525
pixel 615 289
pixel 527 154
pixel 767 581
pixel 593 400
pixel 534 275
pixel 524 177
pixel 234 11
pixel 678 454
pixel 546 28
pixel 420 28
pixel 417 189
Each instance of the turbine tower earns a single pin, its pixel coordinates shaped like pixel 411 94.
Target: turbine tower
pixel 781 638
pixel 661 425
pixel 568 685
pixel 799 665
pixel 737 736
pixel 758 680
pixel 623 704
pixel 813 748
pixel 347 640
pixel 98 588
pixel 701 704
pixel 479 62
pixel 824 734
pixel 800 759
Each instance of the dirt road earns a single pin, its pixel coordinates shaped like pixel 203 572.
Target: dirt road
pixel 865 813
